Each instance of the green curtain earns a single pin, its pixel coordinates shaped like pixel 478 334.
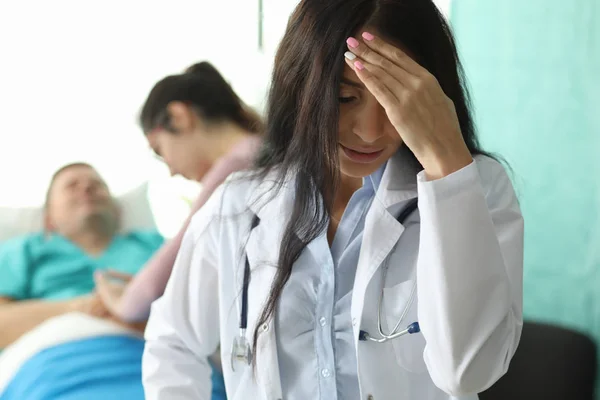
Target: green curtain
pixel 534 72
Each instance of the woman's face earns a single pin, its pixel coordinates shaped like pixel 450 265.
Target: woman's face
pixel 183 152
pixel 366 137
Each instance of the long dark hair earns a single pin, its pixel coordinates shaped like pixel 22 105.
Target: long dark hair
pixel 303 106
pixel 205 90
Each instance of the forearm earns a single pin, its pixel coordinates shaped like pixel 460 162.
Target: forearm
pixel 136 326
pixel 17 318
pixel 149 284
pixel 470 268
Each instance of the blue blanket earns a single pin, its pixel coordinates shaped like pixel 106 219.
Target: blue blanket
pixel 100 368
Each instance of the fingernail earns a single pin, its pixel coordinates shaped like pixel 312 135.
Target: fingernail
pixel 349 55
pixel 358 65
pixel 368 36
pixel 352 42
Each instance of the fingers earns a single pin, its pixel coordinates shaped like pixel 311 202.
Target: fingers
pixel 385 89
pixel 91 305
pixel 102 286
pixel 371 56
pixel 119 275
pixel 382 64
pixel 97 309
pixel 108 298
pixel 394 54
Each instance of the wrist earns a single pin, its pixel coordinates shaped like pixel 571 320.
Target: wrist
pixel 78 304
pixel 445 161
pixel 71 305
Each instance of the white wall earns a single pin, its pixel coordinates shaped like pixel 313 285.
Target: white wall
pixel 73 75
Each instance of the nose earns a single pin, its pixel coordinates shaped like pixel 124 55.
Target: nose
pixel 369 121
pixel 89 187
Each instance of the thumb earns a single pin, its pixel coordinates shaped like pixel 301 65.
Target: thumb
pixel 103 290
pixel 119 275
pixel 99 278
pixel 101 285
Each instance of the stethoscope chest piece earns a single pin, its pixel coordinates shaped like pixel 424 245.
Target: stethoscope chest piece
pixel 241 353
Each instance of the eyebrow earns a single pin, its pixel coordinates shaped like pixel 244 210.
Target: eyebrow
pixel 349 82
pixel 75 180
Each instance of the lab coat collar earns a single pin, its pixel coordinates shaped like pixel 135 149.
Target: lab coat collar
pixel 399 180
pixel 397 184
pixel 273 201
pixel 272 195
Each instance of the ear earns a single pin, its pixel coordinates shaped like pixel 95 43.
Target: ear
pixel 48 225
pixel 118 215
pixel 181 116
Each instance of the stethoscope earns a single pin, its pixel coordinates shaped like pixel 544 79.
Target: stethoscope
pixel 241 351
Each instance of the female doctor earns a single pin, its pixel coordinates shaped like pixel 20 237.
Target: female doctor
pixel 317 274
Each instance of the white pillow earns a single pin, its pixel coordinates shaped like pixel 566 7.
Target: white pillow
pixel 135 214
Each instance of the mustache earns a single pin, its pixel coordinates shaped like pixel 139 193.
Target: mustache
pixel 92 199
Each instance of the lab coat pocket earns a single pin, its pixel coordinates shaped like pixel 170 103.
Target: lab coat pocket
pixel 408 348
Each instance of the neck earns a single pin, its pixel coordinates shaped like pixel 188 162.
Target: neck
pixel 227 136
pixel 91 242
pixel 344 192
pixel 347 187
pixel 95 236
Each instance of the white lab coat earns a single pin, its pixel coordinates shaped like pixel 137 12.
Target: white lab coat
pixel 466 255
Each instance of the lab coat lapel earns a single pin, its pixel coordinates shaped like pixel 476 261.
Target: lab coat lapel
pixel 382 230
pixel 262 249
pixel 273 212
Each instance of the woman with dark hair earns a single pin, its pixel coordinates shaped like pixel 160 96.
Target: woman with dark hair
pixel 202 130
pixel 334 281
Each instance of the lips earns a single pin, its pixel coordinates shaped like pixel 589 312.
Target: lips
pixel 363 156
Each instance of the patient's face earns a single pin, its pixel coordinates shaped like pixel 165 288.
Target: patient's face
pixel 77 197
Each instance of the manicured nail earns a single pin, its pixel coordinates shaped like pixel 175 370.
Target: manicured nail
pixel 358 65
pixel 368 36
pixel 352 42
pixel 349 55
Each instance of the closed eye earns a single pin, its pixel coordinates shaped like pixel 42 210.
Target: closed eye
pixel 345 100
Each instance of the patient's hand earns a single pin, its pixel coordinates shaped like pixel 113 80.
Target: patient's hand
pixel 109 291
pixel 89 304
pixel 94 305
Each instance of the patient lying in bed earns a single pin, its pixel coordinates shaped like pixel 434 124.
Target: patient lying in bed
pixel 51 274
